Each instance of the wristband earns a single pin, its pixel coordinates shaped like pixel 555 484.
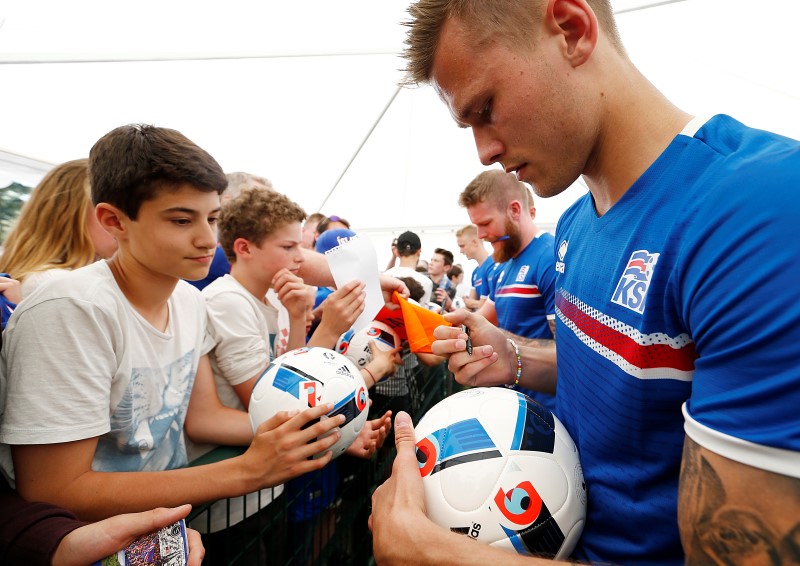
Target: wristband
pixel 519 364
pixel 374 381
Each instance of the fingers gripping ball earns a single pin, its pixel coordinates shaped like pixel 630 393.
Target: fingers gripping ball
pixel 355 345
pixel 500 468
pixel 307 377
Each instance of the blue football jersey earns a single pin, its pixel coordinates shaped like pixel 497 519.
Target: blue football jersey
pixel 681 297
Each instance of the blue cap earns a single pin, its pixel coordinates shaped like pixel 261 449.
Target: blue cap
pixel 329 239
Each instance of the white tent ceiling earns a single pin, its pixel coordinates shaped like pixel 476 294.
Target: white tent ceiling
pixel 305 93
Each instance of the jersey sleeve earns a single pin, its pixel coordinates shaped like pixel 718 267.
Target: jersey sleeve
pixel 738 293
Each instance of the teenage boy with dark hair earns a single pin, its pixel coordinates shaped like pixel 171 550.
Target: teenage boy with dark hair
pixel 106 368
pixel 439 266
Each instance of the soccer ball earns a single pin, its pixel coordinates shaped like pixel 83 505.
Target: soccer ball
pixel 355 345
pixel 307 377
pixel 500 468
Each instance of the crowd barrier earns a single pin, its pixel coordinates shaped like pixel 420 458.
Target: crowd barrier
pixel 319 520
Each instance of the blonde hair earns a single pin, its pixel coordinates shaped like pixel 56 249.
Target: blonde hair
pixel 496 187
pixel 510 20
pixel 239 180
pixel 468 231
pixel 51 230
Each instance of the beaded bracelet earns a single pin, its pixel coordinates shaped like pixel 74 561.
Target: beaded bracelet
pixel 519 364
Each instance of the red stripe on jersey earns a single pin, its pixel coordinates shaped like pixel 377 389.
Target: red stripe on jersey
pixel 519 290
pixel 650 356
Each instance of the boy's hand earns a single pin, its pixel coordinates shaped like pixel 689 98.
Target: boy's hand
pixel 292 292
pixel 339 311
pixel 371 437
pixel 342 307
pixel 11 288
pixel 282 448
pixel 384 362
pixel 389 285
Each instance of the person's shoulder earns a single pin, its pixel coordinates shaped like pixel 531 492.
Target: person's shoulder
pixel 93 283
pixel 222 285
pixel 225 296
pixel 748 158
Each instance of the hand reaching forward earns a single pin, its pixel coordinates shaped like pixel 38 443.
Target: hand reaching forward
pixel 281 448
pixel 371 437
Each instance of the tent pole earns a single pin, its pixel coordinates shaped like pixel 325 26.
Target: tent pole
pixel 360 147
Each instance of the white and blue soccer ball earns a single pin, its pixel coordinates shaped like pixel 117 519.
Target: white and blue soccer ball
pixel 355 345
pixel 307 377
pixel 500 468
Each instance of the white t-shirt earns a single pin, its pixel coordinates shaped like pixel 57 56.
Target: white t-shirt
pixel 243 331
pixel 424 280
pixel 36 279
pixel 79 362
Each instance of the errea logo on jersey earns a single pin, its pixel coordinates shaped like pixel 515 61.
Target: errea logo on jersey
pixel 523 271
pixel 562 251
pixel 632 287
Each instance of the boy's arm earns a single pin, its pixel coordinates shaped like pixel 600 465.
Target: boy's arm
pixel 208 420
pixel 62 473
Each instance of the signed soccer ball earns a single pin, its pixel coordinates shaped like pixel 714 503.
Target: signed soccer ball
pixel 355 345
pixel 500 468
pixel 307 377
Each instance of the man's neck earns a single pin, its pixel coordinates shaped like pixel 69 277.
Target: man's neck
pixel 409 261
pixel 481 255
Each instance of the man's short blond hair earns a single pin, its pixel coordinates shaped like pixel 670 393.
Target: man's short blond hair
pixel 510 20
pixel 495 187
pixel 468 231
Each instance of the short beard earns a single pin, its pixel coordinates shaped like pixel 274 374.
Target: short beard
pixel 509 248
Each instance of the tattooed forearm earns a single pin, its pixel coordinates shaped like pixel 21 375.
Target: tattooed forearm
pixel 730 513
pixel 534 342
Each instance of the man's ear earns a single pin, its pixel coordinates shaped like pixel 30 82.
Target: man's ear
pixel 514 210
pixel 112 219
pixel 577 23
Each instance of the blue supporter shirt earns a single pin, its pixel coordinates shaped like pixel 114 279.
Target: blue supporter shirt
pixel 524 297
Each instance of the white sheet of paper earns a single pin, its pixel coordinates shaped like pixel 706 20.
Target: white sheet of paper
pixel 355 258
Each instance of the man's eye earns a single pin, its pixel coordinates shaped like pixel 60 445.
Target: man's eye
pixel 486 111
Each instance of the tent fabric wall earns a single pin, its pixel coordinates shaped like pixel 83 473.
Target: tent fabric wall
pixel 291 91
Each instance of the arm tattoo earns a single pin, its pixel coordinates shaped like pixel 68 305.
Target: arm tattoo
pixel 727 521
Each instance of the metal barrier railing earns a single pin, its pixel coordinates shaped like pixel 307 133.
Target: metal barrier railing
pixel 321 518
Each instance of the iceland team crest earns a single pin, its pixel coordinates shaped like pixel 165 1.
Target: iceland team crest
pixel 562 252
pixel 632 287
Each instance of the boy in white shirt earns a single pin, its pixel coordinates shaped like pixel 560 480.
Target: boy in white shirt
pixel 103 371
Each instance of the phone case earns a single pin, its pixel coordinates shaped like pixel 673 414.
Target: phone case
pixel 165 547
